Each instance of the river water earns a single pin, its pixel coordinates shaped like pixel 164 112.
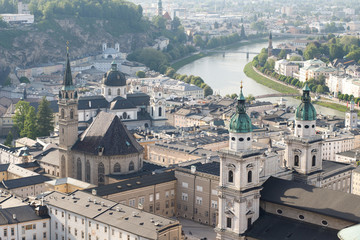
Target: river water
pixel 224 73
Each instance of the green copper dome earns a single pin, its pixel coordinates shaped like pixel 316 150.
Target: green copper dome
pixel 240 122
pixel 305 111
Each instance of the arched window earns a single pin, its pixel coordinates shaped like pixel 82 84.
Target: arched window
pixel 124 115
pixel 231 176
pixel 117 168
pixel 118 92
pixel 296 160
pixel 131 166
pixel 78 169
pixel 109 91
pixel 101 174
pixel 313 161
pixel 87 171
pixel 62 113
pixel 71 114
pixel 160 111
pixel 249 176
pixel 152 111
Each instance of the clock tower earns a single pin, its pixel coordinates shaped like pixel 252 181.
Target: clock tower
pixel 351 117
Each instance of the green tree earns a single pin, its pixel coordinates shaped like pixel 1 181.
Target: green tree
pixel 24 80
pixel 29 124
pixel 9 139
pixel 199 42
pixel 170 72
pixel 242 33
pixel 312 51
pixel 320 89
pixel 233 96
pixel 140 74
pixel 208 91
pixel 262 58
pixel 336 51
pixel 295 58
pixel 44 118
pixel 159 22
pixel 21 110
pixel 282 54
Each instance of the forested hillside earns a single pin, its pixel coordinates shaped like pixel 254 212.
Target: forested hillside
pixel 86 24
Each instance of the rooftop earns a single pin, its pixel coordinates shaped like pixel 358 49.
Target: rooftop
pixel 127 218
pixel 309 198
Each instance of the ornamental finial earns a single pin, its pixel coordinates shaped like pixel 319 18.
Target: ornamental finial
pixel 241 84
pixel 67 47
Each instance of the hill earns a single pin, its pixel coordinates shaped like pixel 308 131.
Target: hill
pixel 86 24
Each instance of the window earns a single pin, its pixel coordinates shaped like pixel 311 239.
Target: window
pixel 141 200
pixel 44 234
pixel 118 92
pixel 199 200
pixel 313 163
pixel 296 160
pixel 56 225
pixel 249 176
pixel 132 202
pixel 105 229
pixel 75 232
pixel 323 222
pixel 124 115
pixel 71 114
pixel 117 168
pixel 160 111
pixel 97 226
pixel 172 192
pixel 199 188
pixel 101 174
pixel 228 222
pixel 131 166
pixel 87 171
pixel 230 176
pixel 184 196
pixel 167 194
pixel 44 225
pixel 157 196
pixel 249 223
pixel 151 197
pixel 301 217
pixel 185 185
pixel 78 169
pixel 109 91
pixel 214 204
pixel 279 211
pixel 12 231
pixel 62 113
pixel 241 139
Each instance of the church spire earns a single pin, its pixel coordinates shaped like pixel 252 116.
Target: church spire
pixel 241 108
pixel 68 81
pixel 160 9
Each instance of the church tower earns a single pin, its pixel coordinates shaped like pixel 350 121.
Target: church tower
pixel 239 186
pixel 160 8
pixel 157 108
pixel 68 120
pixel 351 117
pixel 303 149
pixel 270 47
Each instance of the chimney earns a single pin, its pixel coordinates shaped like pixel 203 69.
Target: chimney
pixel 93 192
pixel 193 169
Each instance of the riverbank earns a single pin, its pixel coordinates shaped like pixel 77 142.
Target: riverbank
pixel 205 53
pixel 251 73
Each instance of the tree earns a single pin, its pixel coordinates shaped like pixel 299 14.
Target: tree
pixel 140 74
pixel 250 98
pixel 9 139
pixel 170 72
pixel 282 54
pixel 233 96
pixel 44 118
pixel 176 23
pixel 199 42
pixel 159 22
pixel 295 58
pixel 21 110
pixel 320 89
pixel 336 51
pixel 262 58
pixel 24 80
pixel 208 91
pixel 311 51
pixel 29 124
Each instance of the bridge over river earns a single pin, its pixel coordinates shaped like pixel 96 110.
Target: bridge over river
pixel 276 95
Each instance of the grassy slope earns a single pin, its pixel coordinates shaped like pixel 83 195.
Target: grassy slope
pixel 250 72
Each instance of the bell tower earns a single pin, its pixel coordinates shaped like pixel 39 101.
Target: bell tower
pixel 68 120
pixel 239 186
pixel 303 149
pixel 351 117
pixel 270 47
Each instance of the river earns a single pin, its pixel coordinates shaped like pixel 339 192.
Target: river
pixel 224 73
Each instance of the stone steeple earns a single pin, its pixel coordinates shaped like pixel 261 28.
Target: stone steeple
pixel 270 47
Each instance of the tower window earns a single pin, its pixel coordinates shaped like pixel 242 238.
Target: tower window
pixel 296 160
pixel 78 169
pixel 101 174
pixel 124 115
pixel 160 111
pixel 301 217
pixel 231 176
pixel 249 223
pixel 118 92
pixel 232 139
pixel 313 126
pixel 241 139
pixel 71 114
pixel 62 113
pixel 249 176
pixel 306 126
pixel 313 163
pixel 109 91
pixel 299 126
pixel 248 138
pixel 228 222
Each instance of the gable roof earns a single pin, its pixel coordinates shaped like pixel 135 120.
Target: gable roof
pixel 109 133
pixel 309 198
